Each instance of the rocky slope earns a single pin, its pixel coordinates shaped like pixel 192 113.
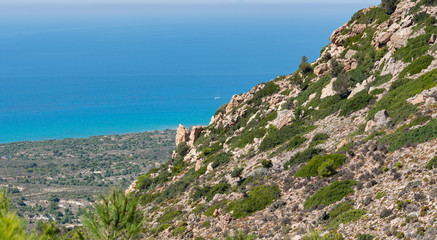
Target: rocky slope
pixel 345 145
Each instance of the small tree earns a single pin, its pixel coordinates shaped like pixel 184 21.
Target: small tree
pixel 267 163
pixel 304 66
pixel 114 217
pixel 11 225
pixel 237 172
pixel 389 5
pixel 342 85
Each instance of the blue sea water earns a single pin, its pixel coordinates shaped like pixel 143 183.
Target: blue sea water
pixel 76 73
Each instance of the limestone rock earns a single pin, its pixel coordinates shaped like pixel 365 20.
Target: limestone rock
pixel 182 135
pixel 359 28
pixel 235 101
pixel 328 90
pixel 370 125
pixel 194 135
pixel 381 118
pixel 383 38
pixel 433 39
pixel 322 69
pixel 342 144
pixel 198 164
pixel 400 38
pixel 418 99
pixel 350 53
pixel 284 118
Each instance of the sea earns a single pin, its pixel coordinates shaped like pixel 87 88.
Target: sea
pixel 78 71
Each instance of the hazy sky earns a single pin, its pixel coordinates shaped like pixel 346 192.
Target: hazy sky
pixel 183 1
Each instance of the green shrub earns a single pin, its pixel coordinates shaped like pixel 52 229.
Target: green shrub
pixel 417 66
pixel 302 157
pixel 416 47
pixel 319 138
pixel 305 67
pixel 325 164
pixel 267 163
pixel 377 91
pixel 380 195
pixel 259 198
pixel 240 235
pixel 176 188
pixel 379 80
pixel 340 209
pixel 351 215
pixel 315 235
pixel 395 100
pixel 182 149
pixel 422 134
pixel 375 15
pixel 269 89
pixel 336 68
pixel 365 237
pixel 432 163
pixel 168 216
pixel 179 230
pixel 209 192
pixel 219 159
pixel 389 5
pixel 221 109
pixel 342 85
pixel 237 172
pixel 278 137
pixel 331 194
pixel 358 102
pixel 210 211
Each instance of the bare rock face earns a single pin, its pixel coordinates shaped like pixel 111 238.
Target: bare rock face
pixel 194 135
pixel 381 118
pixel 284 118
pixel 359 28
pixel 322 69
pixel 328 90
pixel 370 125
pixel 400 38
pixel 182 135
pixel 235 101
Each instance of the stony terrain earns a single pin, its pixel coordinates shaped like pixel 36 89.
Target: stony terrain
pixel 346 145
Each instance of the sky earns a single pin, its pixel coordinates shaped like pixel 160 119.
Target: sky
pixel 181 1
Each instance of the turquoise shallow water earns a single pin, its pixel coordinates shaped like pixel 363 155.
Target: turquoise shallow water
pixel 80 75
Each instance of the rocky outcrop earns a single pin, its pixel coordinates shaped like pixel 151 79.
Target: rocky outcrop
pixel 235 101
pixel 194 135
pixel 322 69
pixel 182 135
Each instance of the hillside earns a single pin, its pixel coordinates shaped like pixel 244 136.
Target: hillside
pixel 345 146
pixel 54 179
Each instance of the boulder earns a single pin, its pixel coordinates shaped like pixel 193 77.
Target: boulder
pixel 359 28
pixel 433 39
pixel 198 165
pixel 321 69
pixel 194 135
pixel 381 118
pixel 350 53
pixel 284 118
pixel 182 135
pixel 400 38
pixel 328 90
pixel 416 100
pixel 384 38
pixel 370 125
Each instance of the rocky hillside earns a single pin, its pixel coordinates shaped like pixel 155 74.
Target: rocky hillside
pixel 344 146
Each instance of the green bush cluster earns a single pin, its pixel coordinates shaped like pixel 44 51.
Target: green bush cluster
pixel 365 237
pixel 340 209
pixel 146 182
pixel 351 215
pixel 302 157
pixel 379 80
pixel 358 102
pixel 375 15
pixel 259 198
pixel 389 5
pixel 325 165
pixel 221 109
pixel 417 66
pixel 319 138
pixel 432 163
pixel 305 67
pixel 267 163
pixel 269 89
pixel 237 172
pixel 209 192
pixel 219 159
pixel 315 235
pixel 395 100
pixel 422 134
pixel 210 211
pixel 182 149
pixel 331 194
pixel 277 137
pixel 168 216
pixel 416 47
pixel 176 188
